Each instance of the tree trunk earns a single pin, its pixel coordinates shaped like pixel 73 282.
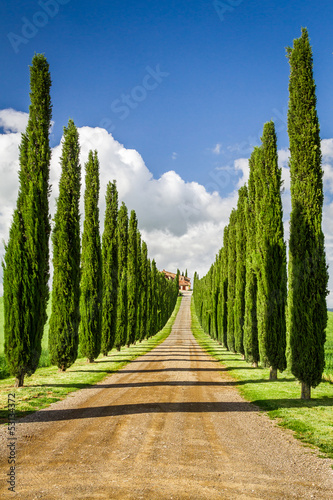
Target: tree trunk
pixel 272 373
pixel 62 368
pixel 118 347
pixel 306 391
pixel 90 360
pixel 19 380
pixel 255 364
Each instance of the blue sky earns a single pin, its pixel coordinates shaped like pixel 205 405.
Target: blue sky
pixel 226 78
pixel 187 85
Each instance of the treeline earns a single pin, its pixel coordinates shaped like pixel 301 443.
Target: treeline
pixel 106 292
pixel 243 301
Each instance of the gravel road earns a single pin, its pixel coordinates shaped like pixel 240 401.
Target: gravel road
pixel 169 425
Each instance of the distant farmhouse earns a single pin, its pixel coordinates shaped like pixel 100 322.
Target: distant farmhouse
pixel 184 282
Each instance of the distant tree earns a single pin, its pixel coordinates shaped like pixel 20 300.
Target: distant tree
pixel 122 317
pixel 232 256
pixel 224 288
pixel 65 315
pixel 110 269
pixel 239 308
pixel 177 283
pixel 307 290
pixel 26 261
pixel 251 346
pixel 132 278
pixel 139 288
pixel 271 257
pixel 144 291
pixel 91 265
pixel 153 298
pixel 186 273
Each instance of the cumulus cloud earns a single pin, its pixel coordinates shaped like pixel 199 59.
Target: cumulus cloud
pixel 13 121
pixel 182 222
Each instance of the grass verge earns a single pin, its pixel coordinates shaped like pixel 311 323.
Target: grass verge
pixel 47 385
pixel 311 421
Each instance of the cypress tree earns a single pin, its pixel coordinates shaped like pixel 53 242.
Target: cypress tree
pixel 251 346
pixel 132 278
pixel 224 288
pixel 150 299
pixel 110 269
pixel 239 308
pixel 65 316
pixel 219 319
pixel 91 265
pixel 271 258
pixel 144 291
pixel 177 283
pixel 139 288
pixel 231 280
pixel 153 299
pixel 307 290
pixel 122 238
pixel 26 261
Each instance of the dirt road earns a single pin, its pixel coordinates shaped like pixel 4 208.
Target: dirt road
pixel 170 425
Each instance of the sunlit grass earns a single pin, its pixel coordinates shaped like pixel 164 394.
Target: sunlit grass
pixel 311 420
pixel 47 385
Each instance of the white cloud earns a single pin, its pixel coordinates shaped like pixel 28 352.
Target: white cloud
pixel 182 222
pixel 13 121
pixel 217 149
pixel 174 156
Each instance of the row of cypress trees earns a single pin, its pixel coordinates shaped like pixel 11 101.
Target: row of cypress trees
pixel 110 293
pixel 243 301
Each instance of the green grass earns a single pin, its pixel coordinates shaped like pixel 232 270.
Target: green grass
pixel 47 385
pixel 312 421
pixel 328 373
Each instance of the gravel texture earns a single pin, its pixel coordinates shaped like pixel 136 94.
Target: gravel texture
pixel 169 425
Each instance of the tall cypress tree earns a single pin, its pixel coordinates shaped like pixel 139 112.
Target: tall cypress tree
pixel 251 346
pixel 122 238
pixel 224 288
pixel 91 265
pixel 132 278
pixel 307 290
pixel 65 316
pixel 110 269
pixel 26 261
pixel 153 298
pixel 239 309
pixel 271 258
pixel 139 288
pixel 144 291
pixel 231 280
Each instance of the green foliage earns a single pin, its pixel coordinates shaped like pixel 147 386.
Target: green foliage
pixel 110 269
pixel 91 265
pixel 132 278
pixel 307 290
pixel 311 420
pixel 65 317
pixel 251 346
pixel 232 257
pixel 270 255
pixel 26 261
pixel 144 291
pixel 239 307
pixel 47 385
pixel 122 237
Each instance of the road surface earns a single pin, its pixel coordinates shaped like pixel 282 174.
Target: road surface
pixel 169 425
